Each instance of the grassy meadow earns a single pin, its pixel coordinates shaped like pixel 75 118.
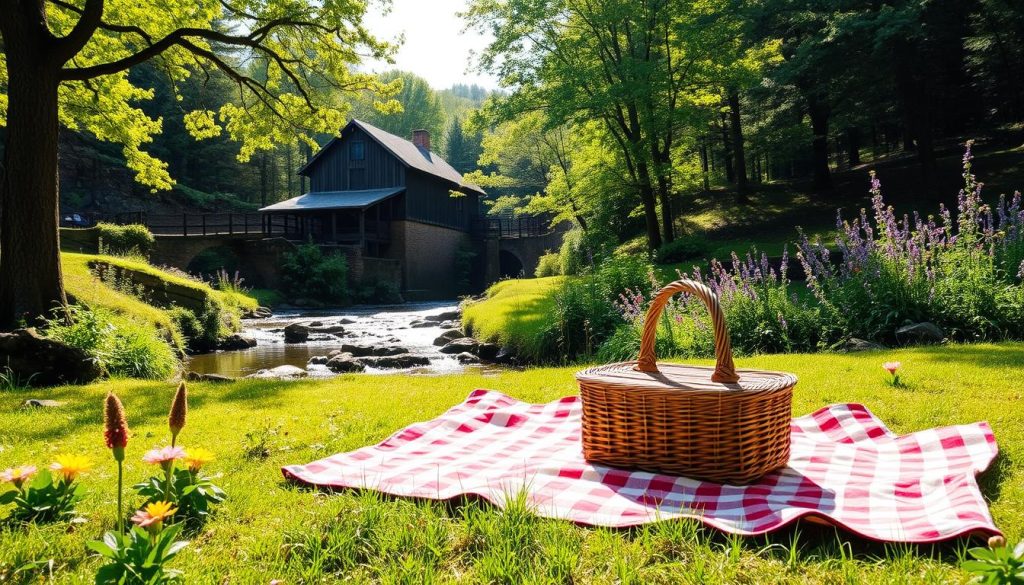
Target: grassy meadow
pixel 270 529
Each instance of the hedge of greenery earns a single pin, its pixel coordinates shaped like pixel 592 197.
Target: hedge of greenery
pixel 961 271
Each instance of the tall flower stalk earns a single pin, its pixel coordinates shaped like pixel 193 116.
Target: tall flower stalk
pixel 115 432
pixel 179 408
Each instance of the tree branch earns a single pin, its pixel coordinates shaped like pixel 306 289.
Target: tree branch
pixel 68 46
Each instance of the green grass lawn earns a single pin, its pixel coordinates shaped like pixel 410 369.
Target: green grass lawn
pixel 512 312
pixel 270 529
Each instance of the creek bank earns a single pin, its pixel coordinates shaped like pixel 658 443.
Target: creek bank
pixel 31 359
pixel 316 342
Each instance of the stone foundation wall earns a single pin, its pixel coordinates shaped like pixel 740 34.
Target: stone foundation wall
pixel 428 256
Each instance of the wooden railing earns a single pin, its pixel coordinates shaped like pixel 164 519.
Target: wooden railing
pixel 512 227
pixel 208 224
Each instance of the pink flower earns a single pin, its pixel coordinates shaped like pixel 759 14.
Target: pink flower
pixel 164 457
pixel 891 367
pixel 17 475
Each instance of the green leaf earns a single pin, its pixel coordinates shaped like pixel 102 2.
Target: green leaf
pixel 102 548
pixel 8 497
pixel 982 553
pixel 978 567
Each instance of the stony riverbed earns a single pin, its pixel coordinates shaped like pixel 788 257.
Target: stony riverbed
pixel 371 339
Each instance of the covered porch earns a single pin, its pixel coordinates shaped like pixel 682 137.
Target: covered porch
pixel 342 218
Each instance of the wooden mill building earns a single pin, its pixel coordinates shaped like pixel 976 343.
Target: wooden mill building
pixel 396 208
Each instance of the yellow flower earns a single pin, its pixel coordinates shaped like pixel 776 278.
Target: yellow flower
pixel 153 515
pixel 70 466
pixel 197 457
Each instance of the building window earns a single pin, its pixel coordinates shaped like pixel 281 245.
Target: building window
pixel 357 150
pixel 357 178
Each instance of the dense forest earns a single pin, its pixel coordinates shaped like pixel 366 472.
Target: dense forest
pixel 208 174
pixel 614 114
pixel 620 111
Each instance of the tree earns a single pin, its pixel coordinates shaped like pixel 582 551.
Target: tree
pixel 66 62
pixel 635 67
pixel 421 108
pixel 462 148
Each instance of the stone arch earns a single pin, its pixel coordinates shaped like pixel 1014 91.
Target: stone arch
pixel 509 265
pixel 214 257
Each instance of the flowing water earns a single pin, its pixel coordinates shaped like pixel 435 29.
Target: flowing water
pixel 367 325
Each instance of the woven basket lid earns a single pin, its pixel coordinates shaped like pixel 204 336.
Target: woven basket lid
pixel 648 374
pixel 683 377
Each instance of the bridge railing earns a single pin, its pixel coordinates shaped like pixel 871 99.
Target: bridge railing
pixel 512 227
pixel 211 224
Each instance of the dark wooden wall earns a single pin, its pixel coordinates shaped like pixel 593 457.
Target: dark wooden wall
pixel 332 170
pixel 427 198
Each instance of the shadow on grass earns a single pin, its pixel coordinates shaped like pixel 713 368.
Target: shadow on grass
pixel 1006 355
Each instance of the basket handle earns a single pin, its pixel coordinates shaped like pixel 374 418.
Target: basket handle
pixel 725 370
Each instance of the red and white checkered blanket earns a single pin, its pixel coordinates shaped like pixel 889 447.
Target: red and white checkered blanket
pixel 846 468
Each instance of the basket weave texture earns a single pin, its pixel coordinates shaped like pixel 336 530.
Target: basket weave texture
pixel 718 424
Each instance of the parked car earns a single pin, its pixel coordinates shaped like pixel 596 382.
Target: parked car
pixel 75 220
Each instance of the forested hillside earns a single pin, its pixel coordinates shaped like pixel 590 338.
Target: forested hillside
pixel 623 116
pixel 207 173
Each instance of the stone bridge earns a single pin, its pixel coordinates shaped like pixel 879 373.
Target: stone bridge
pixel 510 257
pixel 254 255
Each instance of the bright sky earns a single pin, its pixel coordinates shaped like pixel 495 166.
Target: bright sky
pixel 435 47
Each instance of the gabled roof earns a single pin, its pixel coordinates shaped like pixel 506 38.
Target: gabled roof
pixel 360 199
pixel 404 150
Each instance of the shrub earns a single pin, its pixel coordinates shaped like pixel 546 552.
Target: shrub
pixel 465 255
pixel 583 313
pixel 763 315
pixel 682 248
pixel 574 257
pixel 125 240
pixel 550 264
pixel 122 347
pixel 308 273
pixel 137 352
pixel 964 275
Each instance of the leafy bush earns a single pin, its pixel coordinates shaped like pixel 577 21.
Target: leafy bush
pixel 682 248
pixel 308 273
pixel 583 314
pixel 573 255
pixel 964 275
pixel 465 256
pixel 763 315
pixel 136 352
pixel 550 264
pixel 379 292
pixel 122 347
pixel 44 498
pixel 125 240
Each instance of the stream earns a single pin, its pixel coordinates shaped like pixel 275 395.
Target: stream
pixel 364 325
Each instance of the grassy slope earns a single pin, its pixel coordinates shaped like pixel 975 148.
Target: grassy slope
pixel 512 312
pixel 270 529
pixel 84 286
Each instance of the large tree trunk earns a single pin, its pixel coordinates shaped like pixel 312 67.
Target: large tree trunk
pixel 853 145
pixel 727 152
pixel 738 153
pixel 819 112
pixel 650 206
pixel 31 283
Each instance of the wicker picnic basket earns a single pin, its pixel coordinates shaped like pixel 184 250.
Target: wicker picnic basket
pixel 717 424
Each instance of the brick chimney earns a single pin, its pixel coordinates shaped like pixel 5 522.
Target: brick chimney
pixel 421 138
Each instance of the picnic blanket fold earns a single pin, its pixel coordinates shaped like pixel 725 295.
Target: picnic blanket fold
pixel 846 469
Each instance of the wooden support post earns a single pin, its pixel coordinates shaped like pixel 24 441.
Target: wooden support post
pixel 231 225
pixel 334 226
pixel 362 228
pixel 204 224
pixel 184 224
